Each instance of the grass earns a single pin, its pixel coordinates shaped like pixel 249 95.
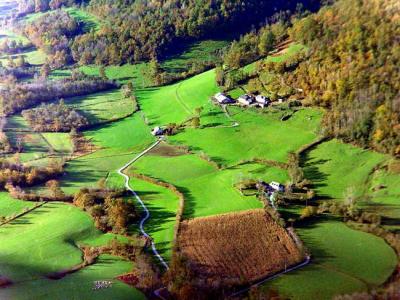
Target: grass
pixel 176 103
pixel 78 285
pixel 12 36
pixel 338 169
pixel 198 52
pixel 34 146
pixel 10 206
pixel 208 191
pixel 90 21
pixel 344 261
pixel 44 241
pixel 60 142
pixel 385 200
pixel 37 148
pixel 163 205
pixel 103 106
pixel 122 74
pixel 259 135
pixel 117 143
pixel 334 167
pixel 280 57
pixel 34 57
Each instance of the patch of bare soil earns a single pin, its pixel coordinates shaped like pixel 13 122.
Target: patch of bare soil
pixel 237 248
pixel 163 149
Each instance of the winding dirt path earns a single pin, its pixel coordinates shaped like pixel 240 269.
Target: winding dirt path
pixel 146 211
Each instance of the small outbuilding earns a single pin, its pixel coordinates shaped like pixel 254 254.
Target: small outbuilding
pixel 223 99
pixel 157 131
pixel 246 100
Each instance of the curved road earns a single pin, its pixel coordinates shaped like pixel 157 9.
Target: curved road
pixel 146 211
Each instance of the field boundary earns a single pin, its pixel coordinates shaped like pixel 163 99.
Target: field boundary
pixel 23 213
pixel 269 278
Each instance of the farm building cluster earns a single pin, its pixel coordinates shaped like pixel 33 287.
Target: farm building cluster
pixel 272 187
pixel 244 100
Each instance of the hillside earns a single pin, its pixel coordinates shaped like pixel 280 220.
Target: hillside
pixel 351 69
pixel 184 149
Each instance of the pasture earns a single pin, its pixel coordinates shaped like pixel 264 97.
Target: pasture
pixel 163 205
pixel 336 167
pixel 343 261
pixel 6 34
pixel 208 191
pixel 34 57
pixel 44 241
pixel 340 170
pixel 201 52
pixel 10 206
pixel 36 148
pixel 116 143
pixel 102 107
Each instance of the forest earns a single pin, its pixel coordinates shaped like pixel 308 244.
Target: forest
pixel 52 33
pixel 141 30
pixel 351 69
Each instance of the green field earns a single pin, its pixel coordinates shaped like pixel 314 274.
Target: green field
pixel 10 206
pixel 163 205
pixel 12 36
pixel 208 191
pixel 90 22
pixel 338 169
pixel 102 107
pixel 34 146
pixel 118 142
pixel 33 57
pixel 292 49
pixel 335 167
pixel 60 142
pixel 122 74
pixel 343 261
pixel 29 251
pixel 37 148
pixel 176 103
pixel 195 53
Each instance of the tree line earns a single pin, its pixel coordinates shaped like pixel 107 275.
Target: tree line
pixel 14 174
pixel 31 6
pixel 109 209
pixel 17 97
pixel 54 117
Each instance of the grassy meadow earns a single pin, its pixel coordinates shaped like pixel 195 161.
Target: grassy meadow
pixel 343 261
pixel 102 107
pixel 30 251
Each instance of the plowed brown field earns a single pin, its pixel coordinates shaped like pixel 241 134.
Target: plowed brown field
pixel 237 248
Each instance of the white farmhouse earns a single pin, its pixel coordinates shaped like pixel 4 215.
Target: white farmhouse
pixel 223 99
pixel 262 100
pixel 246 100
pixel 277 186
